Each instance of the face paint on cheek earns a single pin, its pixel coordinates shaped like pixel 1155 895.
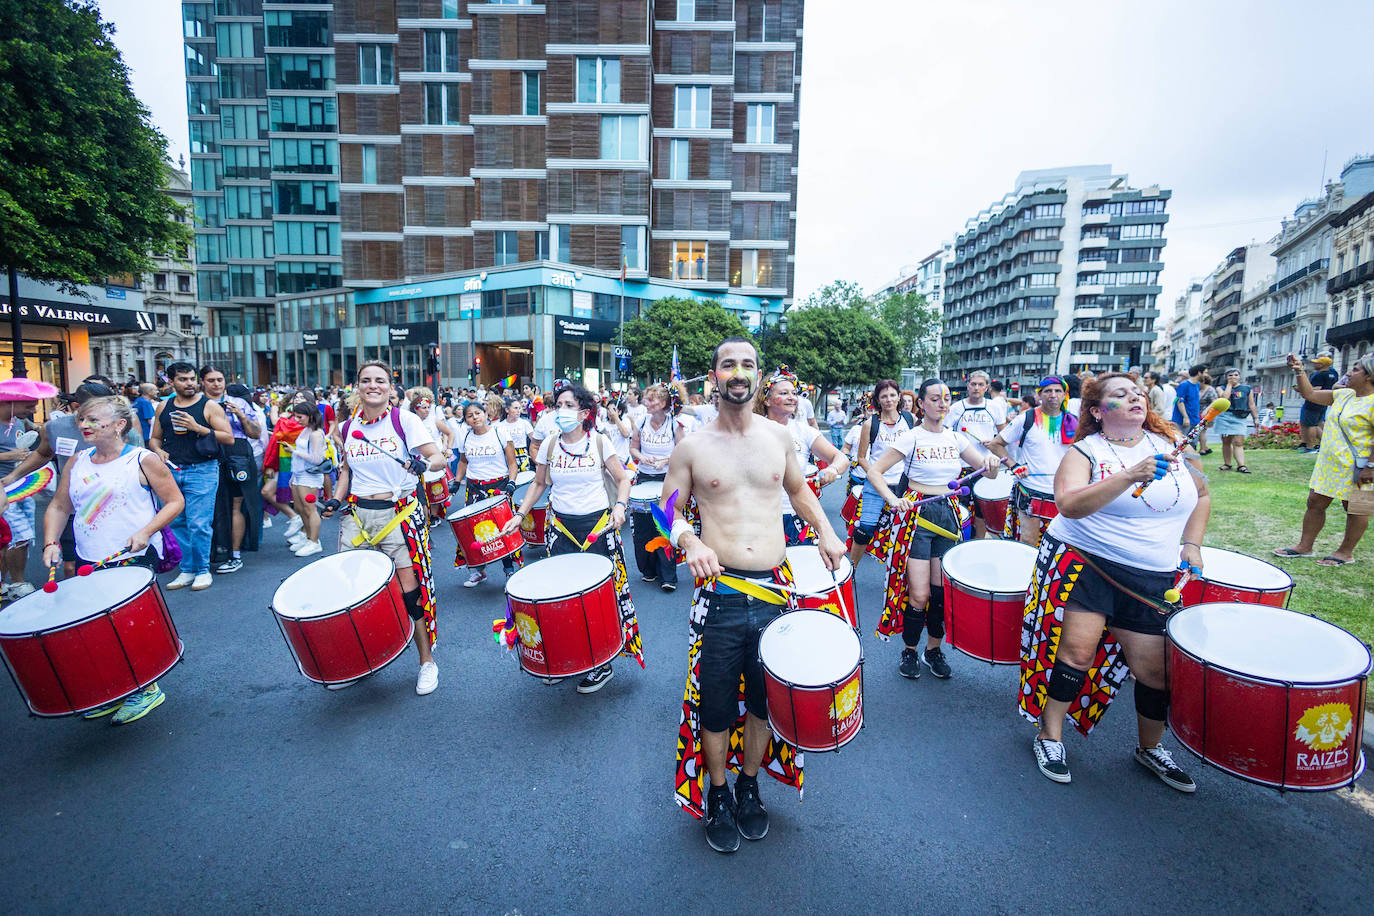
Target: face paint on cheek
pixel 1113 404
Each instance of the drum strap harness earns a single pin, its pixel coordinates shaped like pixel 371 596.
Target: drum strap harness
pixel 403 512
pixel 1162 607
pixel 596 531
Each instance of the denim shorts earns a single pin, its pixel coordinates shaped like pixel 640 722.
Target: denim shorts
pixel 730 648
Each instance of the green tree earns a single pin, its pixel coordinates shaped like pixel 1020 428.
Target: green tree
pixel 833 346
pixel 694 327
pixel 917 325
pixel 81 166
pixel 840 294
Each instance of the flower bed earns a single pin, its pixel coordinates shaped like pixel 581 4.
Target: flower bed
pixel 1280 435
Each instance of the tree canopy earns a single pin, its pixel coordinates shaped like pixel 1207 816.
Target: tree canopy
pixel 81 166
pixel 831 346
pixel 917 325
pixel 695 327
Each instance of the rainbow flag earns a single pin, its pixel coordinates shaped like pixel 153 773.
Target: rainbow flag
pixel 675 372
pixel 507 382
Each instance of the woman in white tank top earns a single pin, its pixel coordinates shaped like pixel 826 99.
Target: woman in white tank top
pixel 777 400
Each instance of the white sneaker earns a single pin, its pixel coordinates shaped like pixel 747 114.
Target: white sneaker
pixel 428 680
pixel 181 581
pixel 309 549
pixel 20 589
pixel 202 582
pixel 266 522
pixel 477 577
pixel 296 540
pixel 294 525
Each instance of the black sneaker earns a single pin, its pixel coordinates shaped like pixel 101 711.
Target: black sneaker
pixel 595 679
pixel 231 565
pixel 1051 759
pixel 668 586
pixel 722 833
pixel 1160 762
pixel 910 665
pixel 935 661
pixel 749 811
pixel 648 578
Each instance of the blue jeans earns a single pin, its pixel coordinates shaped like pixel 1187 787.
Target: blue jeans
pixel 837 437
pixel 194 527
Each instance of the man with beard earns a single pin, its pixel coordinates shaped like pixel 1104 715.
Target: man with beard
pixel 733 466
pixel 238 510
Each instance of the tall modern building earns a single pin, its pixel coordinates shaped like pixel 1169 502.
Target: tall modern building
pixel 1227 321
pixel 376 176
pixel 1071 253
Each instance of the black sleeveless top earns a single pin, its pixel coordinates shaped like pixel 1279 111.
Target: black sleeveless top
pixel 181 447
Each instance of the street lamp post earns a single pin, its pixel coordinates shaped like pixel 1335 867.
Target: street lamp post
pixel 197 325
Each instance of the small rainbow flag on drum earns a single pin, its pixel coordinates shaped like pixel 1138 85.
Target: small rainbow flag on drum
pixel 29 484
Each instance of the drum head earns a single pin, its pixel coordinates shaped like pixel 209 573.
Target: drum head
pixel 75 599
pixel 649 491
pixel 991 566
pixel 812 470
pixel 1268 642
pixel 477 508
pixel 433 475
pixel 558 577
pixel 524 478
pixel 857 491
pixel 809 575
pixel 1243 571
pixel 332 584
pixel 809 648
pixel 1000 488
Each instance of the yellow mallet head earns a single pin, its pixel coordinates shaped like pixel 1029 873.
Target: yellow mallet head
pixel 1173 595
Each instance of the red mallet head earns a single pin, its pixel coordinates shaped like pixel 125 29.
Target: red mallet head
pixel 310 497
pixel 50 587
pixel 357 434
pixel 85 569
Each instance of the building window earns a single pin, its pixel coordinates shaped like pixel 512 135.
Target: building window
pixel 450 9
pixel 160 282
pixel 291 114
pixel 531 93
pixel 375 65
pixel 692 107
pixel 598 79
pixel 541 246
pixel 762 22
pixel 441 51
pixel 686 10
pixel 689 260
pixel 623 137
pixel 679 159
pixel 759 123
pixel 507 248
pixel 183 283
pixel 441 103
pixel 561 244
pixel 369 152
pixel 632 247
pixel 186 324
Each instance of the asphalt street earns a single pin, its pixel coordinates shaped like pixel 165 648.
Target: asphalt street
pixel 253 790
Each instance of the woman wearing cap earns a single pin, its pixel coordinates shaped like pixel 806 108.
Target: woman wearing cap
pixel 1231 425
pixel 1344 461
pixel 107 492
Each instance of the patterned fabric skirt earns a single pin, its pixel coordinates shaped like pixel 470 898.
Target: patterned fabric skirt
pixel 609 545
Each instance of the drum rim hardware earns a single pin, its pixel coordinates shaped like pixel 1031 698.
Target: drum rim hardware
pixel 815 688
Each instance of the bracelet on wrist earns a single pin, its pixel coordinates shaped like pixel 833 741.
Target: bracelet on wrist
pixel 622 504
pixel 1191 544
pixel 52 544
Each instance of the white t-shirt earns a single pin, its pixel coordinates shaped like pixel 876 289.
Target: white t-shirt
pixel 517 431
pixel 486 454
pixel 932 459
pixel 575 474
pixel 1041 452
pixel 805 412
pixel 803 436
pixel 887 435
pixel 1128 530
pixel 656 443
pixel 705 413
pixel 835 417
pixel 545 426
pixel 611 431
pixel 372 472
pixel 980 421
pixel 637 413
pixel 851 446
pixel 1073 406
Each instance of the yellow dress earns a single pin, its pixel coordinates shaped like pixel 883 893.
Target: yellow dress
pixel 1335 470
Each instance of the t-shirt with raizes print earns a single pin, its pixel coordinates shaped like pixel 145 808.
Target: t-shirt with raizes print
pixel 486 454
pixel 932 459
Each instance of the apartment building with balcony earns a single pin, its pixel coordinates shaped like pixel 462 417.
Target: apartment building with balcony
pixel 411 143
pixel 1350 286
pixel 1237 279
pixel 1071 253
pixel 1185 330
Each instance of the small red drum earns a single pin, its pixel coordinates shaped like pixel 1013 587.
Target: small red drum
pixel 436 490
pixel 97 639
pixel 993 495
pixel 813 673
pixel 1229 576
pixel 478 529
pixel 985 597
pixel 813 479
pixel 343 616
pixel 567 618
pixel 1042 505
pixel 850 512
pixel 1269 695
pixel 534 525
pixel 820 590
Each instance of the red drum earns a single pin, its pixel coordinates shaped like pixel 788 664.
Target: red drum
pixel 1268 695
pixel 813 673
pixel 850 512
pixel 534 525
pixel 343 616
pixel 97 639
pixel 993 495
pixel 567 617
pixel 437 491
pixel 820 590
pixel 985 598
pixel 1229 576
pixel 478 530
pixel 1042 506
pixel 813 479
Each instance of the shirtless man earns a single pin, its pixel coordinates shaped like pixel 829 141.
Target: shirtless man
pixel 734 465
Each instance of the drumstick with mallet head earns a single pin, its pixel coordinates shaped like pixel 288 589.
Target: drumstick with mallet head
pixel 1214 410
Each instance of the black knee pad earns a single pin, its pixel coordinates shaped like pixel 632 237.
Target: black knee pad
pixel 935 612
pixel 1151 702
pixel 412 600
pixel 862 536
pixel 1066 682
pixel 913 622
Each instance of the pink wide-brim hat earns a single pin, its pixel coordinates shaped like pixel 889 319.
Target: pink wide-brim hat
pixel 25 389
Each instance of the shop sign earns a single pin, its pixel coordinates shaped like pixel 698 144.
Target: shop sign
pixel 91 316
pixel 325 339
pixel 417 333
pixel 584 329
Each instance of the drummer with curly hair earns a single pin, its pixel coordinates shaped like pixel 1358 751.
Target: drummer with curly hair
pixel 1096 607
pixel 777 400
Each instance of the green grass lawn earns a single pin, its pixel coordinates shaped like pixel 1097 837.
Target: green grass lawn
pixel 1254 514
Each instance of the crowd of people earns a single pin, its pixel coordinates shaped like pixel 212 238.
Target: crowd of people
pixel 187 477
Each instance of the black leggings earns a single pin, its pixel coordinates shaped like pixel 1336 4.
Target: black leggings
pixel 661 563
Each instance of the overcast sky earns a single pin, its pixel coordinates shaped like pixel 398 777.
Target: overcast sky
pixel 912 123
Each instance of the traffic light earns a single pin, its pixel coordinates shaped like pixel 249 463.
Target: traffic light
pixel 432 362
pixel 476 368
